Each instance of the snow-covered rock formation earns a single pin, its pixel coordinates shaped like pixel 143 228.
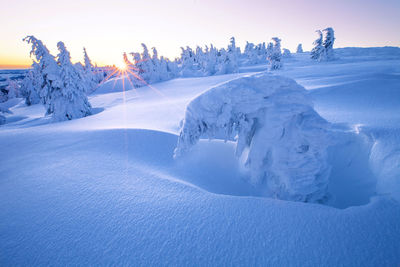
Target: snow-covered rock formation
pixel 278 134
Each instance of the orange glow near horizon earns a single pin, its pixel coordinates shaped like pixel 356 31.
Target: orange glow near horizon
pixel 9 62
pixel 107 30
pixel 12 67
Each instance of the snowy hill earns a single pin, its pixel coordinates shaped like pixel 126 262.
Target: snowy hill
pixel 105 189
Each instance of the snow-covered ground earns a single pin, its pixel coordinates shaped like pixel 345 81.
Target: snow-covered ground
pixel 105 189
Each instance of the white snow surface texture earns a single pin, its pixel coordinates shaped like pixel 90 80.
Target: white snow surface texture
pixel 271 117
pixel 106 190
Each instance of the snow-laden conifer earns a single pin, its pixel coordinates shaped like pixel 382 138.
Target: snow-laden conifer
pixel 275 57
pixel 299 49
pixel 12 89
pixel 30 86
pixel 286 53
pixel 70 100
pixel 47 69
pixel 318 51
pixel 91 74
pixel 329 39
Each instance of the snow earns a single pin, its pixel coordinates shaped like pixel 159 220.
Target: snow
pixel 278 134
pixel 105 189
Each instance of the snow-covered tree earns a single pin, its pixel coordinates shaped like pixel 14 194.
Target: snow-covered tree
pixel 49 72
pixel 270 50
pixel 151 69
pixel 323 46
pixel 261 52
pixel 88 62
pixel 249 52
pixel 232 57
pixel 146 67
pixel 318 51
pixel 163 69
pixel 276 55
pixel 70 100
pixel 286 53
pixel 30 85
pixel 255 54
pixel 199 58
pixel 172 68
pixel 189 66
pixel 131 71
pixel 91 74
pixel 222 61
pixel 156 64
pixel 280 137
pixel 129 65
pixel 329 39
pixel 299 49
pixel 210 58
pixel 12 89
pixel 136 57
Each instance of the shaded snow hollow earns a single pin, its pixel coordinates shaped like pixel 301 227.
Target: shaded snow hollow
pixel 278 134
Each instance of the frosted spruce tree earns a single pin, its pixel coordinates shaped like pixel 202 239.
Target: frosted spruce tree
pixel 131 71
pixel 30 85
pixel 90 75
pixel 270 49
pixel 87 61
pixel 70 101
pixel 329 39
pixel 163 69
pixel 12 89
pixel 276 55
pixel 286 53
pixel 146 66
pixel 255 54
pixel 49 82
pixel 318 51
pixel 299 49
pixel 250 54
pixel 232 57
pixel 150 69
pixel 189 66
pixel 210 64
pixel 172 68
pixel 156 65
pixel 199 58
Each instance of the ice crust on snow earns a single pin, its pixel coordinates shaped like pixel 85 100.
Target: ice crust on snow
pixel 278 134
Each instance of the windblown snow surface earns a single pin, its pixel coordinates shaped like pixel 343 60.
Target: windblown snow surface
pixel 105 189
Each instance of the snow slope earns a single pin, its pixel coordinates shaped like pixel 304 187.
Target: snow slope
pixel 105 189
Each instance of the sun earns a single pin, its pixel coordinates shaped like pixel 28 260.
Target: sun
pixel 121 66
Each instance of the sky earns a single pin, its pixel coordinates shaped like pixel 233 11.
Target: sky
pixel 109 28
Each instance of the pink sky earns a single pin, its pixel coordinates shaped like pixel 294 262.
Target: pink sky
pixel 108 28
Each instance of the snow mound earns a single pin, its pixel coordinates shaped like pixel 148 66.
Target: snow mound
pixel 279 136
pixel 385 162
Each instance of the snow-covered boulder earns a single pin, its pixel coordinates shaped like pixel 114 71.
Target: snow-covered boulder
pixel 278 134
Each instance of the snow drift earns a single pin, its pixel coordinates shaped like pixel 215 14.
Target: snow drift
pixel 278 134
